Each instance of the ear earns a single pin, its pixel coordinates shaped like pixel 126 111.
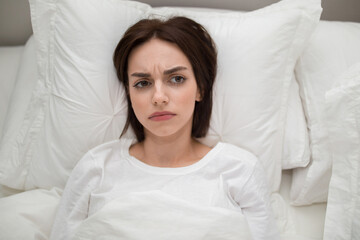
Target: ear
pixel 198 95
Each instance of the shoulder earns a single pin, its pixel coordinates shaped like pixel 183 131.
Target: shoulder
pixel 104 152
pixel 118 146
pixel 237 154
pixel 96 159
pixel 234 162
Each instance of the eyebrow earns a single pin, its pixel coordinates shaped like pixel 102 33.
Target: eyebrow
pixel 166 72
pixel 141 75
pixel 173 70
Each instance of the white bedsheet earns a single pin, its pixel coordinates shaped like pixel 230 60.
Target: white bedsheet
pixel 307 220
pixel 156 215
pixel 23 215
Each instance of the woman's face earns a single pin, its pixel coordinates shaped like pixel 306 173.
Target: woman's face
pixel 162 88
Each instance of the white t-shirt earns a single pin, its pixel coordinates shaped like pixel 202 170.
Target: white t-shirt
pixel 228 177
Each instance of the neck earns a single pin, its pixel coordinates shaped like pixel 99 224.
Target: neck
pixel 177 150
pixel 171 151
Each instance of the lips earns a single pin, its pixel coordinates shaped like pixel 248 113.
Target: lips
pixel 161 116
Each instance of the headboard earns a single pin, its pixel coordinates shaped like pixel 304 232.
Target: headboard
pixel 15 25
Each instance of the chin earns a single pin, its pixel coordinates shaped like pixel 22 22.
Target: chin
pixel 164 133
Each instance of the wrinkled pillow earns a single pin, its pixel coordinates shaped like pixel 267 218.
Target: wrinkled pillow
pixel 333 48
pixel 26 79
pixel 78 102
pixel 342 104
pixel 10 58
pixel 296 147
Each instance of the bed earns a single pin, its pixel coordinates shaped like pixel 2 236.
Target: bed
pixel 288 90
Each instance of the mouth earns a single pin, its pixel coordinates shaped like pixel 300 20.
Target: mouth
pixel 161 116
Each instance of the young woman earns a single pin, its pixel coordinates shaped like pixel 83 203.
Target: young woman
pixel 167 69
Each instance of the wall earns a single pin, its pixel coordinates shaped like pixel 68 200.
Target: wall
pixel 15 26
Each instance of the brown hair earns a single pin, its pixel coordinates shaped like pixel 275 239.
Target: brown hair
pixel 198 47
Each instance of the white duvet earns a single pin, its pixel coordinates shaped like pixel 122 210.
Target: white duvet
pixel 156 215
pixel 151 215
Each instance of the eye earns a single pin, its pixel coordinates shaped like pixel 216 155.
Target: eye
pixel 142 84
pixel 177 79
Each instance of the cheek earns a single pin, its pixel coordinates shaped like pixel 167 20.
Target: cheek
pixel 138 104
pixel 187 100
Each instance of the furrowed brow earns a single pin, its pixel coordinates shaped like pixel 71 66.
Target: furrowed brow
pixel 173 70
pixel 140 75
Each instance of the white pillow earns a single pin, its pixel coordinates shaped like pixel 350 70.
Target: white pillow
pixel 333 48
pixel 25 83
pixel 78 102
pixel 9 62
pixel 296 147
pixel 343 121
pixel 252 87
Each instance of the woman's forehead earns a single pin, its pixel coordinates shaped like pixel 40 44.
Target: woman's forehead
pixel 157 53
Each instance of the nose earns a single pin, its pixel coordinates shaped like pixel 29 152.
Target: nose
pixel 159 95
